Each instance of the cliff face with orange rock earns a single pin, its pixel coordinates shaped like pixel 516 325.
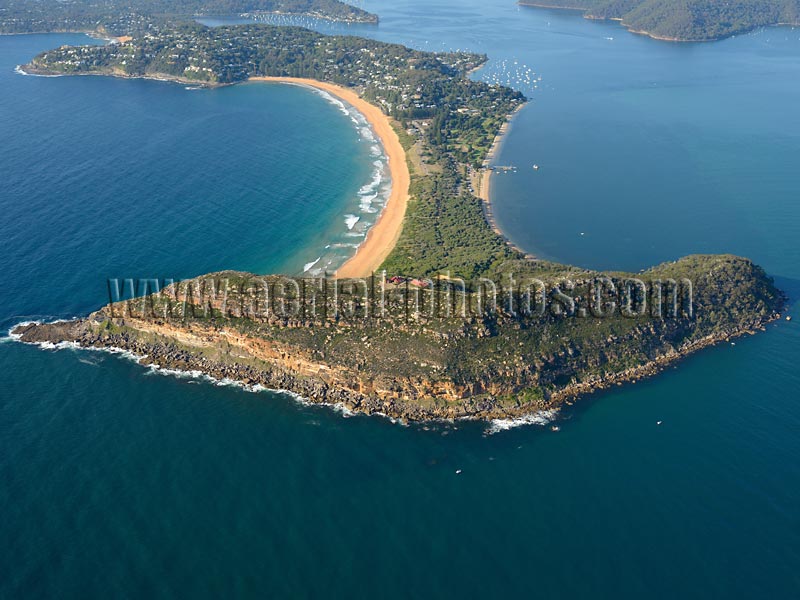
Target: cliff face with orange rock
pixel 424 364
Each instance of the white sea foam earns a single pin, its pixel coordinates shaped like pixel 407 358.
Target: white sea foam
pixel 16 336
pixel 301 400
pixel 392 420
pixel 367 134
pixel 18 70
pixel 195 376
pixel 192 376
pixel 372 196
pixel 121 352
pixel 154 369
pixel 71 345
pixel 333 100
pixel 76 346
pixel 343 410
pixel 58 346
pixel 377 178
pixel 308 266
pixel 367 200
pixel 351 220
pixel 541 418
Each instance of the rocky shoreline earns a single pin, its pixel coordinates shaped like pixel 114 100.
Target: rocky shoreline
pixel 276 378
pixel 29 69
pixel 280 376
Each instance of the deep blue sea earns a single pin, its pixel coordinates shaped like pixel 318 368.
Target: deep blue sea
pixel 117 481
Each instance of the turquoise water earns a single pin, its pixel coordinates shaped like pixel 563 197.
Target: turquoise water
pixel 117 480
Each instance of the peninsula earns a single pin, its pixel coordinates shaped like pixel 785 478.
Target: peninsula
pixel 135 17
pixel 462 325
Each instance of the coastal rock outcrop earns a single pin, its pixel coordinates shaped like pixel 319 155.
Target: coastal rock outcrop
pixel 495 364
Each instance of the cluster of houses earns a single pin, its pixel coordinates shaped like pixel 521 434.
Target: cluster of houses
pixel 398 280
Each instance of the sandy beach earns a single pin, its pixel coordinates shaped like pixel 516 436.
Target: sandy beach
pixel 383 235
pixel 482 180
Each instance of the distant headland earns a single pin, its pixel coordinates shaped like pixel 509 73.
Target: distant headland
pixel 683 21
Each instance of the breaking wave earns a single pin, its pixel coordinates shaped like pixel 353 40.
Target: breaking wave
pixel 363 209
pixel 541 418
pixel 351 220
pixel 19 71
pixel 308 266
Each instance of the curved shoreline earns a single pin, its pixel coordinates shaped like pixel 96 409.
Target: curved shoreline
pixel 385 232
pixel 483 185
pixel 383 235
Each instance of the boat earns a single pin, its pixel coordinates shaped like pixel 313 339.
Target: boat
pixel 535 167
pixel 555 428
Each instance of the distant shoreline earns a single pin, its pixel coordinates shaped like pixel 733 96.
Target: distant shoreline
pixel 370 19
pixel 586 13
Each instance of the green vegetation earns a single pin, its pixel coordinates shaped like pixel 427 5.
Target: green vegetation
pixel 496 360
pixel 133 17
pixel 451 119
pixel 445 232
pixel 689 20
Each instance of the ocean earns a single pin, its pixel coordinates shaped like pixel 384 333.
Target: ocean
pixel 119 480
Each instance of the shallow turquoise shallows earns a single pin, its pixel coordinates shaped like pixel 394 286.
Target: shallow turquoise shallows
pixel 117 481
